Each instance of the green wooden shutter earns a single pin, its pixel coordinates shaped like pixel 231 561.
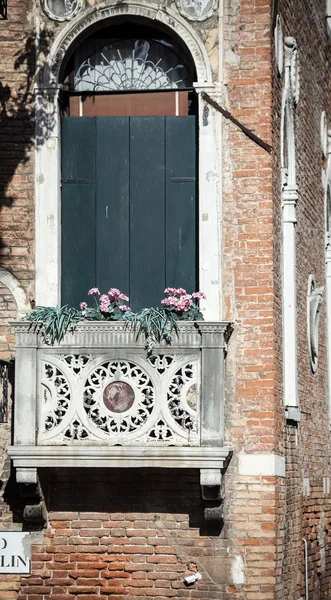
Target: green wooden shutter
pixel 133 225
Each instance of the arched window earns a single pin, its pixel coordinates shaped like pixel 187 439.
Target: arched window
pixel 107 22
pixel 129 177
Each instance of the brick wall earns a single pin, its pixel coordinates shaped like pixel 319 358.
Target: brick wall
pixel 126 533
pixel 308 445
pixel 252 294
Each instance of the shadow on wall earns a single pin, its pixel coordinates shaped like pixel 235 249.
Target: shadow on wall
pixel 17 121
pixel 155 494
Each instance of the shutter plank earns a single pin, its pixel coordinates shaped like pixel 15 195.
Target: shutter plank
pixel 181 210
pixel 78 209
pixel 112 184
pixel 147 211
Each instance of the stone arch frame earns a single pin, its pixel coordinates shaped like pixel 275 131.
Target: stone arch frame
pixel 18 293
pixel 139 9
pixel 48 168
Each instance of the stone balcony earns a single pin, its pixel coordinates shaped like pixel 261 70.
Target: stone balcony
pixel 95 400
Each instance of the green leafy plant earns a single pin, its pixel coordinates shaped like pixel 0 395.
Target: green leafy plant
pixel 53 322
pixel 155 324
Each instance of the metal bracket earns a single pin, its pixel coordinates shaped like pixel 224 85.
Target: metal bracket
pixel 227 115
pixel 182 179
pixel 292 414
pixel 75 181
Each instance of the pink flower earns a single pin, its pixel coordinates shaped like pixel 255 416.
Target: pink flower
pixel 185 303
pixel 169 290
pixel 199 295
pixel 179 292
pixel 171 301
pixel 83 305
pixel 114 294
pixel 104 303
pixel 124 308
pixel 84 313
pixel 123 297
pixel 94 292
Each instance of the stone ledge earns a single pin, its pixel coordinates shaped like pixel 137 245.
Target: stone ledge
pixel 120 456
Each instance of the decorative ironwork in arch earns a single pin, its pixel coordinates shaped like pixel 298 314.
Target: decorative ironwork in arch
pixel 3 9
pixel 131 64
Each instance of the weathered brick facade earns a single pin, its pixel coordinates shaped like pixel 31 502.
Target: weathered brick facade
pixel 126 533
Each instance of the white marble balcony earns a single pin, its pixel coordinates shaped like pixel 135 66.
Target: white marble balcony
pixel 96 400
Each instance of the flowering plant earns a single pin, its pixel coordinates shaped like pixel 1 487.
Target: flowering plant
pixel 109 307
pixel 155 324
pixel 185 306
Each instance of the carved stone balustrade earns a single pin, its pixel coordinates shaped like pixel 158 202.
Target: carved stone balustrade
pixel 96 400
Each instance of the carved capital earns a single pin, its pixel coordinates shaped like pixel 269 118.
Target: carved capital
pixel 292 65
pixel 48 93
pixel 289 202
pixel 206 86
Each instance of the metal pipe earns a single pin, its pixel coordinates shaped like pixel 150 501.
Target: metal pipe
pixel 306 566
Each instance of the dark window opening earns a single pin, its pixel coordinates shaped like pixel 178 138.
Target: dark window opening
pixel 3 9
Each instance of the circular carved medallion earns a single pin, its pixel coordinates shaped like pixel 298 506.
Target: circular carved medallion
pixel 118 397
pixel 196 10
pixel 61 10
